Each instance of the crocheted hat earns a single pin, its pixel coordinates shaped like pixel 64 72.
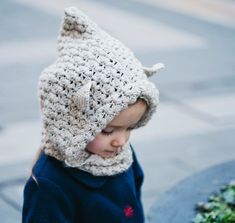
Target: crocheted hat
pixel 94 77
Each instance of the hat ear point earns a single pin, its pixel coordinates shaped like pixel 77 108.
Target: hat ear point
pixel 149 71
pixel 82 97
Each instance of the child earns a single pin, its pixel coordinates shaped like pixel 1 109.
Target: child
pixel 91 98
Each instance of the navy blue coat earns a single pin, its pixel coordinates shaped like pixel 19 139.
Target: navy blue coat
pixel 62 194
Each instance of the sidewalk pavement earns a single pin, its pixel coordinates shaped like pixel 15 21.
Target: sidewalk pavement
pixel 191 131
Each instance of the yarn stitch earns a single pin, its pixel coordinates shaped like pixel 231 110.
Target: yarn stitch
pixel 94 78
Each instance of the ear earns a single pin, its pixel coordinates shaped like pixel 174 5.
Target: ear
pixel 76 20
pixel 81 97
pixel 149 71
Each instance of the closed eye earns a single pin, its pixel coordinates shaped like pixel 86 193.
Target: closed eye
pixel 107 131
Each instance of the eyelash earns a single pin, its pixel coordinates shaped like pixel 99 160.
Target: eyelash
pixel 107 133
pixel 110 133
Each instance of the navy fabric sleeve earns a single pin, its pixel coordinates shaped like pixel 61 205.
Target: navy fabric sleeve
pixel 44 202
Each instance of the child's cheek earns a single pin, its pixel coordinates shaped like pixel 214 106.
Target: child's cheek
pixel 96 145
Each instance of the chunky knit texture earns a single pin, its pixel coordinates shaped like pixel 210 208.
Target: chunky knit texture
pixel 94 77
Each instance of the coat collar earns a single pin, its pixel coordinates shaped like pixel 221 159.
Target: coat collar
pixel 86 178
pixel 80 176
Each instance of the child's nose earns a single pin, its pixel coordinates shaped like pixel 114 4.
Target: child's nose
pixel 120 139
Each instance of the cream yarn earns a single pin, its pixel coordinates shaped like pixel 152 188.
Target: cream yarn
pixel 93 79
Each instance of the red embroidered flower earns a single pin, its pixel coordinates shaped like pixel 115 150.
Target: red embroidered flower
pixel 128 210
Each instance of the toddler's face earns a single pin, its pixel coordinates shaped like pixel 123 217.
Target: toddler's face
pixel 111 140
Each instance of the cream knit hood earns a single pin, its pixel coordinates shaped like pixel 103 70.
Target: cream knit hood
pixel 94 77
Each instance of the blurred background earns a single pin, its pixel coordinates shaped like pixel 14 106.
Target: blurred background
pixel 194 127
